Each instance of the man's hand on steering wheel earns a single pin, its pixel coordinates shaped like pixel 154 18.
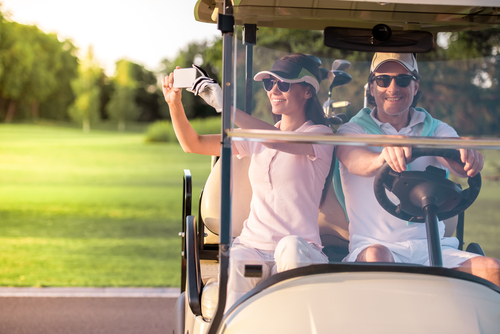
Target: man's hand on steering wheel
pixel 418 189
pixel 473 160
pixel 396 157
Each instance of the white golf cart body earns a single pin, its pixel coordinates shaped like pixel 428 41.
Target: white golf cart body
pixel 336 297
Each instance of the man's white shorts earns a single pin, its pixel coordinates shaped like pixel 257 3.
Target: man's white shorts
pixel 412 251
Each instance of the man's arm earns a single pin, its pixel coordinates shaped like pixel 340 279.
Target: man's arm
pixel 363 162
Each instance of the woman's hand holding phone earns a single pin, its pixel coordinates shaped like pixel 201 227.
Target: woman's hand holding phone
pixel 208 89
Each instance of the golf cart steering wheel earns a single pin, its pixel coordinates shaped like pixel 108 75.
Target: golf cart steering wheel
pixel 417 189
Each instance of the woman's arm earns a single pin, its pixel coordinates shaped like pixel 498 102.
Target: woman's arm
pixel 192 142
pixel 246 121
pixel 189 139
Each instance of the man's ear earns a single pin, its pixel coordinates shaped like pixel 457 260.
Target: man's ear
pixel 417 84
pixel 370 89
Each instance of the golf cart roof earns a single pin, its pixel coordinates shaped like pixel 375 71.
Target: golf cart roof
pixel 429 15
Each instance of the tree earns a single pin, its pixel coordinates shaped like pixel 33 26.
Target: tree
pixel 85 108
pixel 136 95
pixel 56 105
pixel 465 72
pixel 34 65
pixel 17 60
pixel 122 106
pixel 43 76
pixel 147 93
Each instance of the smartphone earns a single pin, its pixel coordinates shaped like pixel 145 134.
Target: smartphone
pixel 184 77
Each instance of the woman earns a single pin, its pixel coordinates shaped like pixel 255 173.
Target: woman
pixel 287 180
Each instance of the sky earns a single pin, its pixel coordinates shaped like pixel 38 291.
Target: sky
pixel 142 31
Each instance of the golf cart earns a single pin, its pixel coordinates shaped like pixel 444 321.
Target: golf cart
pixel 336 297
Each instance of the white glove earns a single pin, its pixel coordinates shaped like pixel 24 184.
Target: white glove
pixel 208 89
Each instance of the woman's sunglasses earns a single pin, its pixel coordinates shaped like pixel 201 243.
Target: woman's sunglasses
pixel 282 86
pixel 402 80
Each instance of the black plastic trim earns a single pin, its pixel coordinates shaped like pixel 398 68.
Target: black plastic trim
pixel 225 23
pixel 460 230
pixel 249 34
pixel 409 41
pixel 187 195
pixel 475 248
pixel 194 283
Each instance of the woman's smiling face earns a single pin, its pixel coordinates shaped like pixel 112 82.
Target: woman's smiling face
pixel 289 102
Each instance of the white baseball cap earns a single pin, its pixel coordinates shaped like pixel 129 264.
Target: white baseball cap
pixel 408 60
pixel 290 72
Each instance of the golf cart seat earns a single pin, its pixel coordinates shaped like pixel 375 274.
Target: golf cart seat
pixel 332 222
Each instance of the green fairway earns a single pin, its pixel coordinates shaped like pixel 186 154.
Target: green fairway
pixel 104 208
pixel 97 209
pixel 482 219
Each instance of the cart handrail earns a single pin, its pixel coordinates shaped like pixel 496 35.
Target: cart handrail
pixel 363 140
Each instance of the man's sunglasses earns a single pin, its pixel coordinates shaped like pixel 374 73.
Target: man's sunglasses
pixel 282 86
pixel 402 80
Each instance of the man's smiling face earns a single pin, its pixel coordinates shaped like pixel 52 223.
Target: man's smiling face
pixel 393 101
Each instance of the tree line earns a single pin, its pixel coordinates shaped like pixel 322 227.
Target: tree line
pixel 41 76
pixel 459 83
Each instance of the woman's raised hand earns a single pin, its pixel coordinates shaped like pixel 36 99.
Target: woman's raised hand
pixel 170 93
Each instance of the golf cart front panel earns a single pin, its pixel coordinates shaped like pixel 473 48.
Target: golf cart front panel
pixel 367 302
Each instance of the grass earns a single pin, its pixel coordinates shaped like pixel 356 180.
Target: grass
pixel 162 131
pixel 103 208
pixel 482 219
pixel 97 209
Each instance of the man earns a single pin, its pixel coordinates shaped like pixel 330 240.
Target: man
pixel 375 235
